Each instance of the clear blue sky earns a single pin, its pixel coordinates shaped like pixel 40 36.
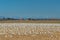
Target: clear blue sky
pixel 30 8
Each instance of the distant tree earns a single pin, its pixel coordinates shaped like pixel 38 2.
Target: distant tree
pixel 4 18
pixel 9 18
pixel 29 19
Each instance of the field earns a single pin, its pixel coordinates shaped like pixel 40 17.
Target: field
pixel 29 31
pixel 29 21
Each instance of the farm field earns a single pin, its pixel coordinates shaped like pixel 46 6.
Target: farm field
pixel 29 21
pixel 29 31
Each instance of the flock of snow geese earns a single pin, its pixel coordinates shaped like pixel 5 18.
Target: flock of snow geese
pixel 28 28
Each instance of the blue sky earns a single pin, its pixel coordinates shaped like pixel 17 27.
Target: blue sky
pixel 30 8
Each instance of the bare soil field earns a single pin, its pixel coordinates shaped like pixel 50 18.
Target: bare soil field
pixel 29 31
pixel 29 37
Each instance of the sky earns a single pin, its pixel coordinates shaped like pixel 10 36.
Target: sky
pixel 30 8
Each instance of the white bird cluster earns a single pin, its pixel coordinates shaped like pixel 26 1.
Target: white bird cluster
pixel 28 28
